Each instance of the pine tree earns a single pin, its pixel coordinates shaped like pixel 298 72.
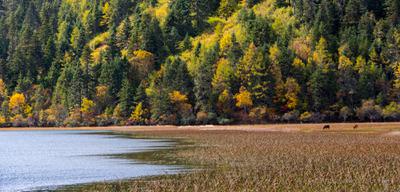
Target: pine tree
pixel 203 80
pixel 316 90
pixel 224 76
pixel 76 87
pixel 112 75
pixel 252 73
pixel 200 10
pixel 258 28
pixel 180 18
pixel 125 98
pixel 234 52
pixel 119 10
pixel 227 7
pixel 326 23
pixel 176 76
pixel 353 12
pixel 393 11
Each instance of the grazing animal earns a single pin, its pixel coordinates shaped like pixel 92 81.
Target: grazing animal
pixel 355 127
pixel 327 127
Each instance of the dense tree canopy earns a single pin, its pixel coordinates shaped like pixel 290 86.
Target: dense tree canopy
pixel 103 62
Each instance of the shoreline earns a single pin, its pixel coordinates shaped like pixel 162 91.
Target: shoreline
pixel 248 127
pixel 154 157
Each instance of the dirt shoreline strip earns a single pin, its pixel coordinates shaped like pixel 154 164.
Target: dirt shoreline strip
pixel 250 128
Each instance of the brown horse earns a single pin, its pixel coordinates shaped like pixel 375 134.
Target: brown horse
pixel 326 127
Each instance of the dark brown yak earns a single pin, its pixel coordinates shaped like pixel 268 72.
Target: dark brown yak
pixel 326 127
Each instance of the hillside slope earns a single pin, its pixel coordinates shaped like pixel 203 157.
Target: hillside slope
pixel 103 62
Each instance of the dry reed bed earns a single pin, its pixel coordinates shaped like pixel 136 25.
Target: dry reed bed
pixel 277 161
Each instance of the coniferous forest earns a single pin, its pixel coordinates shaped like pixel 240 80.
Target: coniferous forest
pixel 136 62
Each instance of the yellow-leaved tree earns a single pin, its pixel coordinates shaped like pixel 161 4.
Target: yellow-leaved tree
pixel 137 116
pixel 321 56
pixel 19 109
pixel 223 75
pixel 102 98
pixel 87 106
pixel 181 104
pixel 106 10
pixel 87 110
pixel 243 99
pixel 397 74
pixel 224 104
pixel 3 89
pixel 142 63
pixel 4 102
pixel 18 105
pixel 292 91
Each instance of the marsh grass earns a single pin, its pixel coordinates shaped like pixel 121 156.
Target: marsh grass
pixel 270 161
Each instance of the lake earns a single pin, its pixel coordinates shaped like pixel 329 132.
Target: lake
pixel 39 160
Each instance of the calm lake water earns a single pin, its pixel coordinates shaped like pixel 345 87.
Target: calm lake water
pixel 31 160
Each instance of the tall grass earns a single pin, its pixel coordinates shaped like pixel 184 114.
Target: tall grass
pixel 297 161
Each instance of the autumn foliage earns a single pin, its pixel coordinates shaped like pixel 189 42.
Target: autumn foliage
pixel 120 62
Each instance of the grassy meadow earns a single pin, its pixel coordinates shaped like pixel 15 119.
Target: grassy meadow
pixel 266 159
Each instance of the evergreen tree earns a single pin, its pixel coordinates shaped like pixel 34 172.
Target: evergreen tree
pixel 180 18
pixel 176 76
pixel 111 76
pixel 353 12
pixel 227 7
pixel 316 90
pixel 126 99
pixel 203 80
pixel 326 23
pixel 75 89
pixel 258 28
pixel 393 11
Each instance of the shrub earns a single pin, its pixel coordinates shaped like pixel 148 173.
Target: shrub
pixel 74 119
pixel 19 121
pixel 182 108
pixel 346 113
pixel 118 116
pixel 205 118
pixel 168 119
pixel 392 112
pixel 188 120
pixel 201 117
pixel 55 115
pixel 318 117
pixel 305 117
pixel 309 117
pixel 369 111
pixel 104 120
pixel 328 115
pixel 2 120
pixel 32 122
pixel 137 116
pixel 258 114
pixel 292 116
pixel 224 121
pixel 272 115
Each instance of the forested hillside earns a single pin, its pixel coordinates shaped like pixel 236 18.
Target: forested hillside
pixel 103 62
